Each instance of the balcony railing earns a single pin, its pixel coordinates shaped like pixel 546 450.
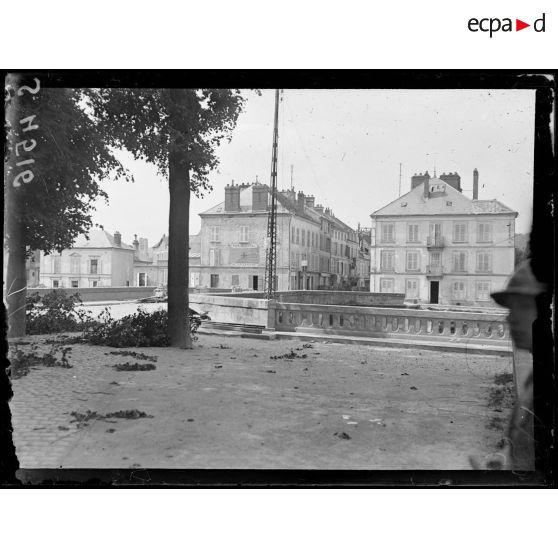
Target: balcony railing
pixel 434 270
pixel 435 241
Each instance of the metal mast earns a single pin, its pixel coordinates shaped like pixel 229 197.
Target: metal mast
pixel 271 251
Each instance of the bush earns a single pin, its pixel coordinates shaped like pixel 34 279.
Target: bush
pixel 54 312
pixel 142 329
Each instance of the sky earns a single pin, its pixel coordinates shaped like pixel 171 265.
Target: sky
pixel 346 147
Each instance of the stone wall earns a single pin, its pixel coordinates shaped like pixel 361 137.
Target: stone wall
pixel 247 311
pixel 93 294
pixel 344 298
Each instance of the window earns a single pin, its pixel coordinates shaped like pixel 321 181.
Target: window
pixel 482 290
pixel 163 255
pixel 95 283
pixel 484 232
pixel 303 236
pixel 75 284
pixel 412 233
pixel 293 233
pixel 214 280
pixel 386 285
pixel 214 257
pixel 458 289
pixel 388 232
pixel 75 264
pixel 460 232
pixel 297 236
pixel 412 261
pixel 141 280
pixel 459 261
pixel 214 234
pixel 244 234
pixel 435 259
pixel 484 262
pixel 387 260
pixel 55 284
pixel 55 264
pixel 411 288
pixel 94 266
pixel 234 281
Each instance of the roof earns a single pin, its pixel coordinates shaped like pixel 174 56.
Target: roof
pixel 284 201
pixel 444 200
pixel 99 238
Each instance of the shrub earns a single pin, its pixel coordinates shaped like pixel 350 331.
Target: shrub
pixel 141 329
pixel 55 312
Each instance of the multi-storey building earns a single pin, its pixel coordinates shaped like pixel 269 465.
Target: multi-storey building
pixel 313 246
pixel 151 264
pixel 440 247
pixel 102 260
pixel 33 268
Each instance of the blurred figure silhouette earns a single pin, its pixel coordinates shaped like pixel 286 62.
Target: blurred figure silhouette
pixel 519 296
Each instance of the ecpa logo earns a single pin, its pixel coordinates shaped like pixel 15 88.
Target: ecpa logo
pixel 494 24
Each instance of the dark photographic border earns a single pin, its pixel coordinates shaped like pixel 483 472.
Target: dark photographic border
pixel 542 241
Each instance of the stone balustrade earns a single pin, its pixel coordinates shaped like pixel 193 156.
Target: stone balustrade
pixel 384 322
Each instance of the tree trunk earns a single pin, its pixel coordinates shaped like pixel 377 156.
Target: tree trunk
pixel 179 219
pixel 15 286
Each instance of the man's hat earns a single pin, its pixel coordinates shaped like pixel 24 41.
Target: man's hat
pixel 522 282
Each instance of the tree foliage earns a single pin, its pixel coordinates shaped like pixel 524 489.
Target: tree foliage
pixel 149 123
pixel 71 158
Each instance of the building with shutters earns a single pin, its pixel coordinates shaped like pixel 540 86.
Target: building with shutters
pixel 102 260
pixel 315 249
pixel 438 246
pixel 151 264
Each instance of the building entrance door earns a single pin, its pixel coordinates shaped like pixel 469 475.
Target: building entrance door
pixel 255 282
pixel 434 291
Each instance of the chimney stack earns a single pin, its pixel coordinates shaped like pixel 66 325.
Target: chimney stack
pixel 136 243
pixel 453 179
pixel 475 184
pixel 259 197
pixel 117 238
pixel 232 198
pixel 310 201
pixel 416 180
pixel 301 201
pixel 426 185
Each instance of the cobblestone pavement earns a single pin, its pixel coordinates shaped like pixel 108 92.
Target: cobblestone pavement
pixel 227 404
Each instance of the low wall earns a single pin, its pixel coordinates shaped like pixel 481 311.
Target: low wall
pixel 344 298
pixel 247 311
pixel 388 322
pixel 94 294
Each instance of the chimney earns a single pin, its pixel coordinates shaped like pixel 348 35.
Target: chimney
pixel 232 198
pixel 301 198
pixel 453 179
pixel 475 184
pixel 136 243
pixel 416 180
pixel 310 201
pixel 426 185
pixel 117 238
pixel 320 208
pixel 259 197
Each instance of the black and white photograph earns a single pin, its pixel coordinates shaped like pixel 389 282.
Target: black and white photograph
pixel 273 277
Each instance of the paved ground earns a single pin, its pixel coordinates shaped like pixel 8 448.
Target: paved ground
pixel 227 404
